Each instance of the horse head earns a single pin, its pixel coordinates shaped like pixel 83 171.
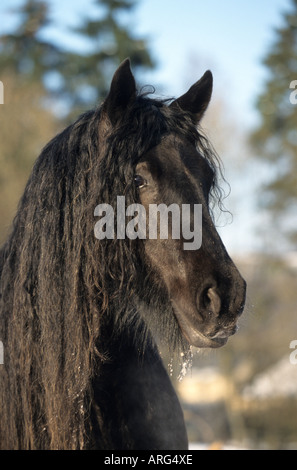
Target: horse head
pixel 204 288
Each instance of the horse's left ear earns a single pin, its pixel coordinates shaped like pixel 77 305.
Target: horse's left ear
pixel 197 98
pixel 122 92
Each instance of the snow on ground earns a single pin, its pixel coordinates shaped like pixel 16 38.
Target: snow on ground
pixel 278 381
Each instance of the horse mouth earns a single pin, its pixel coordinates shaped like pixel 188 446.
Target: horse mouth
pixel 199 340
pixel 196 338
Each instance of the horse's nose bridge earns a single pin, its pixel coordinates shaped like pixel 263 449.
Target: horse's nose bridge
pixel 223 283
pixel 239 296
pixel 217 281
pixel 232 288
pixel 229 284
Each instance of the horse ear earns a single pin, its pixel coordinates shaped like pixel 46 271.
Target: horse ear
pixel 122 92
pixel 197 97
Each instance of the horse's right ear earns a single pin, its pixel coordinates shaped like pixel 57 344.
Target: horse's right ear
pixel 122 92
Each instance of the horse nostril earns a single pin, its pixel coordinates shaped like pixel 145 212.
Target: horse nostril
pixel 211 300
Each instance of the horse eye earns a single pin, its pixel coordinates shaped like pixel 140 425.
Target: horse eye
pixel 140 181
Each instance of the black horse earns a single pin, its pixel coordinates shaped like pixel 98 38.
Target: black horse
pixel 81 317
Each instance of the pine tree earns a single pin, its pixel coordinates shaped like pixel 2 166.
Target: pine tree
pixel 111 40
pixel 75 80
pixel 38 75
pixel 275 140
pixel 23 52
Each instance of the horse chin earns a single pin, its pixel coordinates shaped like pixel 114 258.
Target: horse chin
pixel 191 332
pixel 199 340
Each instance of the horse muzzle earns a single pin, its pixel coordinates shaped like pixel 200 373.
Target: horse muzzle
pixel 213 319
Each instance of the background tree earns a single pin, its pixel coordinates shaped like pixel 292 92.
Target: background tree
pixel 26 124
pixel 25 127
pixel 112 40
pixel 46 86
pixel 275 140
pixel 23 52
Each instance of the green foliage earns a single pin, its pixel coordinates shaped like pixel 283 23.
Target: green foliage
pixel 112 41
pixel 23 52
pixel 275 140
pixel 46 86
pixel 25 127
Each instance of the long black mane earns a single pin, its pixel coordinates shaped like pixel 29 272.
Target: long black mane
pixel 60 285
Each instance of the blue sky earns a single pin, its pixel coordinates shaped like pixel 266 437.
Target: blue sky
pixel 186 37
pixel 230 37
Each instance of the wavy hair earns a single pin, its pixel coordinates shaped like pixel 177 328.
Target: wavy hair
pixel 61 288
